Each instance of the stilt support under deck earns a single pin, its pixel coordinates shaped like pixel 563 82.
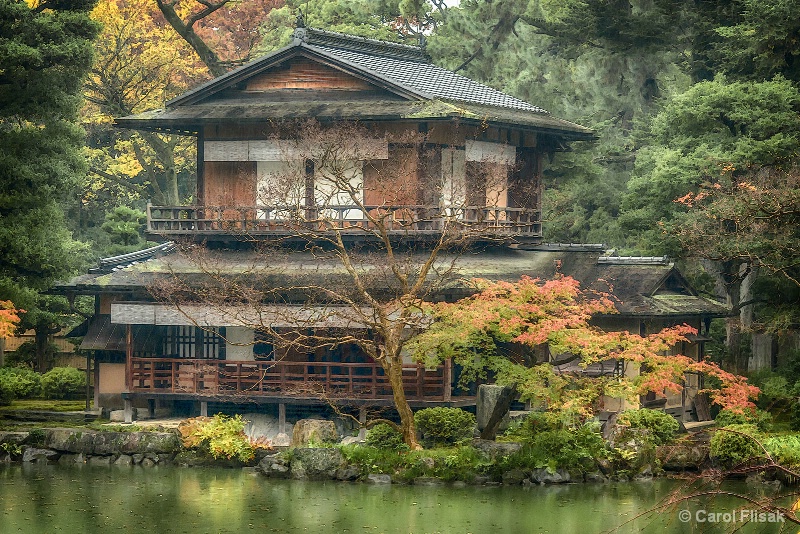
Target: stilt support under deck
pixel 282 418
pixel 362 418
pixel 128 411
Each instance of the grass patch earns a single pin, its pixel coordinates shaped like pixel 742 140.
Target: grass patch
pixel 24 426
pixel 46 405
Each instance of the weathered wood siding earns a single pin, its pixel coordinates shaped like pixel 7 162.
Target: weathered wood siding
pixel 394 181
pixel 302 73
pixel 230 183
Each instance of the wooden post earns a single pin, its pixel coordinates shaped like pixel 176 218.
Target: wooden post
pixel 447 379
pixel 203 408
pixel 128 356
pixel 88 380
pixel 96 384
pixel 282 418
pixel 362 418
pixel 128 411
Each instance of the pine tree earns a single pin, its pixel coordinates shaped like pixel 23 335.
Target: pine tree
pixel 45 53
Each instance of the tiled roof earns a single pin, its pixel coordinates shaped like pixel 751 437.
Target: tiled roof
pixel 406 68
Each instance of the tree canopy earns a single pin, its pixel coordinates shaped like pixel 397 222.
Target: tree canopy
pixel 45 54
pixel 521 332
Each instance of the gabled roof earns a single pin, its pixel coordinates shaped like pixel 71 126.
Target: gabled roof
pixel 407 85
pixel 405 70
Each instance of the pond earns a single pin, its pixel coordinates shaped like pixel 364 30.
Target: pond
pixel 52 498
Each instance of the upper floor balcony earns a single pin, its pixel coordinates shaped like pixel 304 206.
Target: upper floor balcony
pixel 421 222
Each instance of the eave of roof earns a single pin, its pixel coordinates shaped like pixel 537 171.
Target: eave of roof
pixel 189 119
pixel 631 284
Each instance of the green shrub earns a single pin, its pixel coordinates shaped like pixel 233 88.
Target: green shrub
pixel 565 448
pixel 661 426
pixel 23 383
pixel 6 394
pixel 64 383
pixel 372 459
pixel 461 462
pixel 734 444
pixel 784 449
pixel 538 422
pixel 220 436
pixel 383 436
pixel 759 418
pixel 443 426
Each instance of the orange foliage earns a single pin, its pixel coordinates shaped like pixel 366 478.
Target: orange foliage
pixel 9 318
pixel 555 314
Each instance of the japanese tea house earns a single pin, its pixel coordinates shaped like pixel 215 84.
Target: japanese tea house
pixel 150 354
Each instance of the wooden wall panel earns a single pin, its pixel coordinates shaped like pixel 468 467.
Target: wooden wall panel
pixel 524 187
pixel 303 73
pixel 230 183
pixel 393 181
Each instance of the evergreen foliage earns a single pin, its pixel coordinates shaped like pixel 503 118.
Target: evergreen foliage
pixel 45 53
pixel 21 382
pixel 384 436
pixel 64 383
pixel 444 426
pixel 735 444
pixel 661 426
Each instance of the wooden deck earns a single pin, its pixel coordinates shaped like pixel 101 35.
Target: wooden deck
pixel 271 221
pixel 254 379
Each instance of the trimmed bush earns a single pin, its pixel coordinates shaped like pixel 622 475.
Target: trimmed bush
pixel 661 427
pixel 444 426
pixel 6 395
pixel 734 444
pixel 23 383
pixel 759 418
pixel 64 383
pixel 383 436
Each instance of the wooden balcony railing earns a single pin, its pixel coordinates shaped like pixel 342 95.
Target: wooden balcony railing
pixel 267 220
pixel 283 378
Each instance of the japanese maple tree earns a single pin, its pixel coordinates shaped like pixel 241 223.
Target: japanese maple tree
pixel 522 331
pixel 9 318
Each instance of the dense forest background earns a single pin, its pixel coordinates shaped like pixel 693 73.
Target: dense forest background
pixel 696 105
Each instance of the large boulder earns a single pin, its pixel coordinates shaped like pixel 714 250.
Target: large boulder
pixel 32 454
pixel 496 449
pixel 688 456
pixel 492 407
pixel 316 464
pixel 314 431
pixel 378 479
pixel 544 476
pixel 274 466
pixel 106 443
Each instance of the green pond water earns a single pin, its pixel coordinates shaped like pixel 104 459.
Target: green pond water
pixel 160 500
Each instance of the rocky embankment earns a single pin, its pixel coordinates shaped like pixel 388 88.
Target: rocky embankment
pixel 81 446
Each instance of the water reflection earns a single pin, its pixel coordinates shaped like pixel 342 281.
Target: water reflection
pixel 43 499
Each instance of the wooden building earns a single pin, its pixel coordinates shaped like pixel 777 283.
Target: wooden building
pixel 425 152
